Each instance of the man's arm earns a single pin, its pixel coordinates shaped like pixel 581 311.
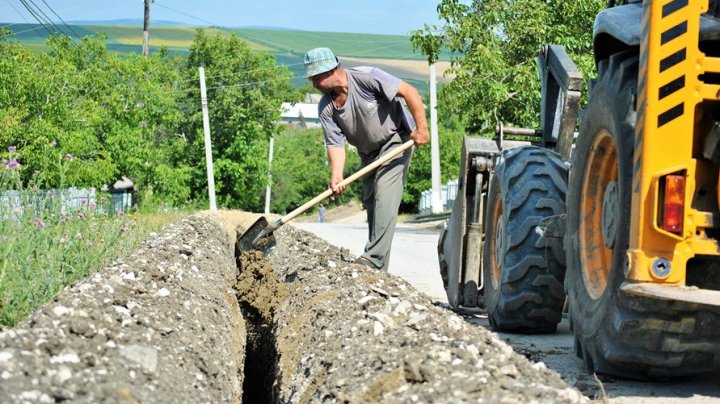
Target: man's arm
pixel 412 98
pixel 336 158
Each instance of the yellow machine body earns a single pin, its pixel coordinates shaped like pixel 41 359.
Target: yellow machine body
pixel 668 140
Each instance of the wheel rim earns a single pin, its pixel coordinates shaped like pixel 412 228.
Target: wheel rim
pixel 600 176
pixel 496 243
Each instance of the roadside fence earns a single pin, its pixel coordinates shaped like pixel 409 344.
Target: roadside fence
pixel 63 202
pixel 448 192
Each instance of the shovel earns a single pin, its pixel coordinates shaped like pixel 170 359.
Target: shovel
pixel 259 236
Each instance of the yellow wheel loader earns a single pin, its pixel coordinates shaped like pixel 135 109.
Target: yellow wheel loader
pixel 620 219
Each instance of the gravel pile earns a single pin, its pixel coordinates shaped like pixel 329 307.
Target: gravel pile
pixel 185 319
pixel 160 325
pixel 350 334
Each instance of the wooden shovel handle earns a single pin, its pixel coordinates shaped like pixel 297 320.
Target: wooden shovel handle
pixel 375 164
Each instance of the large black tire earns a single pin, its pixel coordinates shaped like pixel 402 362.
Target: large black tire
pixel 524 272
pixel 615 333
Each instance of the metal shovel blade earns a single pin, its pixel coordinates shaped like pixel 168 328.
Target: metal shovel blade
pixel 258 236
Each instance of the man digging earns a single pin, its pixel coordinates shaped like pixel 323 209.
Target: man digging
pixel 361 105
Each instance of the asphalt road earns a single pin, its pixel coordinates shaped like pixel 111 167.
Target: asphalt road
pixel 414 258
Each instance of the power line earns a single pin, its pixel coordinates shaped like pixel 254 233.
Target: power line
pixel 18 12
pixel 63 21
pixel 45 17
pixel 187 15
pixel 67 9
pixel 241 73
pixel 27 30
pixel 32 12
pixel 62 11
pixel 245 84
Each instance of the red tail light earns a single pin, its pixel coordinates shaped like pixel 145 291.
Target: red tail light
pixel 674 204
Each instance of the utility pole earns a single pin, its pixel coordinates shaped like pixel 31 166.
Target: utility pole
pixel 146 30
pixel 208 145
pixel 267 190
pixel 436 200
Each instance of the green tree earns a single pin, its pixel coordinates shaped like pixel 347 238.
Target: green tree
pixel 494 44
pixel 245 90
pixel 300 170
pixel 420 173
pixel 80 115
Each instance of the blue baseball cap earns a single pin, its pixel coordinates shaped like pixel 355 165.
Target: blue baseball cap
pixel 319 60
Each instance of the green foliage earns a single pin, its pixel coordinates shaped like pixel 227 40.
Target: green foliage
pixel 43 250
pixel 495 43
pixel 245 90
pixel 40 255
pixel 100 116
pixel 300 170
pixel 420 174
pixel 108 116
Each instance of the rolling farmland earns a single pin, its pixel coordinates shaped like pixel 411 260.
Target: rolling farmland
pixel 392 53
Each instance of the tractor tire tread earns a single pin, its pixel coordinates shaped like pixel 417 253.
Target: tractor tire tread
pixel 532 182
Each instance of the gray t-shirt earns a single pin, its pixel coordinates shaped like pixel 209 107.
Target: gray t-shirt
pixel 371 114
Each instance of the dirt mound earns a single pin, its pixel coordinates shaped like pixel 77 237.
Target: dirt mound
pixel 162 324
pixel 184 319
pixel 356 335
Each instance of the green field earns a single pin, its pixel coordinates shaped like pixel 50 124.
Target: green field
pixel 271 40
pixel 287 46
pixel 343 44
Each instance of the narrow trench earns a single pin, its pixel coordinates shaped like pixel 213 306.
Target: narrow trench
pixel 255 282
pixel 260 358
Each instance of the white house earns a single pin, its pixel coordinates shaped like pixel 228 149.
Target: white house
pixel 300 114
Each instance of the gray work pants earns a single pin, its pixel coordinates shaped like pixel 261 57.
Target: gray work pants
pixel 382 194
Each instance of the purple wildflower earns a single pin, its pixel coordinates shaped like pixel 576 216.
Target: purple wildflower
pixel 39 222
pixel 12 149
pixel 13 164
pixel 121 213
pixel 123 229
pixel 81 215
pixel 92 205
pixel 69 156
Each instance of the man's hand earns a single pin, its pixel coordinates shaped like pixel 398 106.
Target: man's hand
pixel 420 136
pixel 334 181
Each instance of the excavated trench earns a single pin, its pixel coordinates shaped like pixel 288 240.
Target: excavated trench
pixel 331 331
pixel 258 292
pixel 184 318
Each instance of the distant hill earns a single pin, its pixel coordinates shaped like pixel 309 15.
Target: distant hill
pixel 393 53
pixel 129 21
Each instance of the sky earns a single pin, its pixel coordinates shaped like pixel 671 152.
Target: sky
pixel 398 17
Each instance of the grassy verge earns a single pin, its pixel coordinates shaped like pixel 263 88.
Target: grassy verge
pixel 41 252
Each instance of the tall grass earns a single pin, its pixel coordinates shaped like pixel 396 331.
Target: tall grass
pixel 44 250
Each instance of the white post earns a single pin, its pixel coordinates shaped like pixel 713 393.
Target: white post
pixel 437 205
pixel 267 190
pixel 208 146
